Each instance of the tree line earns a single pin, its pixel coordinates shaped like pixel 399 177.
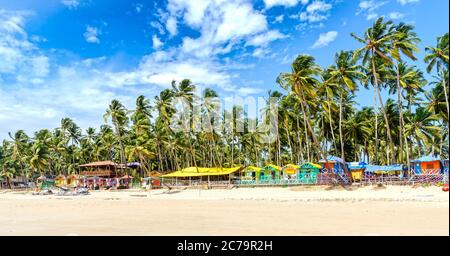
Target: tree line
pixel 317 116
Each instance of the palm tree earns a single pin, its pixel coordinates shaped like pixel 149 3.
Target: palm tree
pixel 421 127
pixel 118 114
pixel 405 42
pixel 303 82
pixel 377 42
pixel 344 73
pixel 438 56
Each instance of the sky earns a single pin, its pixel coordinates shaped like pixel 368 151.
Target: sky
pixel 70 58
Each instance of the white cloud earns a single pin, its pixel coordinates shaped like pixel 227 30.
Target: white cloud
pixel 222 24
pixel 316 11
pixel 265 38
pixel 289 3
pixel 71 4
pixel 171 25
pixel 279 18
pixel 91 34
pixel 372 16
pixel 156 42
pixel 404 2
pixel 369 7
pixel 138 7
pixel 324 39
pixel 396 15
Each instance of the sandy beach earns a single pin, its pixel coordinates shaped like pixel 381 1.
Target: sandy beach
pixel 394 210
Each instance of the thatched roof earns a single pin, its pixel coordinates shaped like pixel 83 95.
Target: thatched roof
pixel 100 164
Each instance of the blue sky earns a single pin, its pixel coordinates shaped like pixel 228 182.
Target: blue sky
pixel 70 58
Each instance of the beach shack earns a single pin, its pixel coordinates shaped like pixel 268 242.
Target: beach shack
pixel 308 173
pixel 45 183
pixel 356 170
pixel 60 180
pixel 152 181
pixel 333 164
pixel 426 165
pixel 270 173
pixel 200 176
pixel 290 171
pixel 72 181
pixel 250 175
pixel 101 174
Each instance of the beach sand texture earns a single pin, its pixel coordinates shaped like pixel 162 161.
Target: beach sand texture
pixel 395 210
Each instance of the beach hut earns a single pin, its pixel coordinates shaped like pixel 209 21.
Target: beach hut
pixel 125 181
pixel 426 165
pixel 270 173
pixel 250 175
pixel 356 170
pixel 333 164
pixel 72 181
pixel 290 171
pixel 308 173
pixel 60 180
pixel 152 181
pixel 201 175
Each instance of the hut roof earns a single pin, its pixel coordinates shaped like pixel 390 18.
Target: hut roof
pixel 383 168
pixel 272 167
pixel 200 171
pixel 356 165
pixel 60 177
pixel 425 159
pixel 127 177
pixel 252 169
pixel 332 159
pixel 153 174
pixel 293 166
pixel 309 165
pixel 100 164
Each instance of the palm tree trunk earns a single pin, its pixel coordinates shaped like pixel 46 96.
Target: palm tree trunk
pixel 400 110
pixel 341 136
pixel 299 141
pixel 445 90
pixel 331 126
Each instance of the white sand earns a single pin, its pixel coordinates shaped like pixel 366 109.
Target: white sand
pixel 396 210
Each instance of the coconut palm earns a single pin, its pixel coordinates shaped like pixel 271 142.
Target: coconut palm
pixel 377 42
pixel 118 114
pixel 438 56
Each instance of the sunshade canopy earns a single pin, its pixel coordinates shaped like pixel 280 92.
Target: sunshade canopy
pixel 383 168
pixel 201 171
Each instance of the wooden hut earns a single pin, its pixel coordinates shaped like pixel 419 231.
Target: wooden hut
pixel 60 180
pixel 308 173
pixel 72 181
pixel 270 173
pixel 426 165
pixel 356 170
pixel 333 164
pixel 290 171
pixel 101 174
pixel 250 175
